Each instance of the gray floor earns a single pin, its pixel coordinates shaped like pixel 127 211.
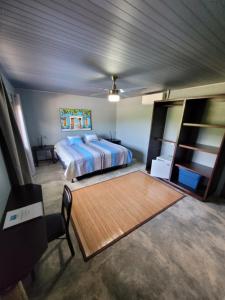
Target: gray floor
pixel 180 254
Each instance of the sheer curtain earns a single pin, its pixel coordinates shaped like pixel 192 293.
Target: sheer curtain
pixel 17 108
pixel 13 138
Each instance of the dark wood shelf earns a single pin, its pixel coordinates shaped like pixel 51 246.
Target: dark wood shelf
pixel 199 193
pixel 200 147
pixel 165 140
pixel 204 125
pixel 197 168
pixel 193 123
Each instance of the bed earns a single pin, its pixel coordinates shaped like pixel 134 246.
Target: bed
pixel 80 158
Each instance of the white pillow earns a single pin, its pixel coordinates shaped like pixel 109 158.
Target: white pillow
pixel 90 138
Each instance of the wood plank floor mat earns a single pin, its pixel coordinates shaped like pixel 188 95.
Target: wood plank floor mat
pixel 105 212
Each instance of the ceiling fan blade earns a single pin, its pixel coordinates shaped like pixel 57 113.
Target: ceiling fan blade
pixel 107 69
pixel 94 66
pixel 101 93
pixel 101 79
pixel 132 72
pixel 134 92
pixel 133 89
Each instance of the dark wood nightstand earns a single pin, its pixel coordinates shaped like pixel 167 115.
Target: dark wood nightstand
pixel 114 141
pixel 45 149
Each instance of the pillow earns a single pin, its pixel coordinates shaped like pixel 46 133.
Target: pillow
pixel 90 138
pixel 75 139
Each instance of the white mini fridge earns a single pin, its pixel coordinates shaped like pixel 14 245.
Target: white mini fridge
pixel 161 167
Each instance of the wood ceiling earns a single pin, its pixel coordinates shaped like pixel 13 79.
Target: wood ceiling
pixel 74 46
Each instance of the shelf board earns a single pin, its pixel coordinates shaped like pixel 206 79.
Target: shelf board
pixel 165 140
pixel 199 193
pixel 204 125
pixel 197 168
pixel 200 147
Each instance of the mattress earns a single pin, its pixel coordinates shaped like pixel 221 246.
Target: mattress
pixel 84 158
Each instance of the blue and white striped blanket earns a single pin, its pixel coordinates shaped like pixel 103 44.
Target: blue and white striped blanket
pixel 81 159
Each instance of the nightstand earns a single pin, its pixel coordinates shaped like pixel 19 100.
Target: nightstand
pixel 114 141
pixel 44 149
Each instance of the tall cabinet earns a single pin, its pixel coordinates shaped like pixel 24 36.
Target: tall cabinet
pixel 199 142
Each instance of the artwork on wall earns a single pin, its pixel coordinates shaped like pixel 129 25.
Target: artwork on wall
pixel 75 119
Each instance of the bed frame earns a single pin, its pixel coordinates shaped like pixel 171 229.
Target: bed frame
pixel 102 171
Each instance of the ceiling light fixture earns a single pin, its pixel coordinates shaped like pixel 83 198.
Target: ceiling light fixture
pixel 113 97
pixel 114 93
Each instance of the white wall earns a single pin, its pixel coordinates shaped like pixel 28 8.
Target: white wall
pixel 10 89
pixel 171 131
pixel 5 185
pixel 214 114
pixel 133 122
pixel 203 90
pixel 41 112
pixel 129 118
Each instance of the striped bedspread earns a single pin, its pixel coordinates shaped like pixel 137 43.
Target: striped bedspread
pixel 81 159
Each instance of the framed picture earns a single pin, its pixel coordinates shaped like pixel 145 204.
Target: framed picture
pixel 75 119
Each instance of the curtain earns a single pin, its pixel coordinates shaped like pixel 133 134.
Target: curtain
pixel 17 108
pixel 13 138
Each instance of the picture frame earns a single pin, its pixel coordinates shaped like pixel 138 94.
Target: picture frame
pixel 75 119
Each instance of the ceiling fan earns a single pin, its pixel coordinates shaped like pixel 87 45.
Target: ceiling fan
pixel 114 94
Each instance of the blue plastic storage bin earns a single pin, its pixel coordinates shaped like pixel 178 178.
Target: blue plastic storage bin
pixel 189 178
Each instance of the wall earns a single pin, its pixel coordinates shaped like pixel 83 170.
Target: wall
pixel 5 185
pixel 214 114
pixel 10 89
pixel 204 90
pixel 133 122
pixel 129 118
pixel 172 124
pixel 41 112
pixel 4 179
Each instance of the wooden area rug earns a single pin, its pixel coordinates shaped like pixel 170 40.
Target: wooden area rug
pixel 105 212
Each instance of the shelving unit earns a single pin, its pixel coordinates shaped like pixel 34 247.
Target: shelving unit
pixel 165 140
pixel 199 193
pixel 204 125
pixel 197 168
pixel 157 138
pixel 202 148
pixel 195 123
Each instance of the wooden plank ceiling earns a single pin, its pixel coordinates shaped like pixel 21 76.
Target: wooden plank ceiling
pixel 74 46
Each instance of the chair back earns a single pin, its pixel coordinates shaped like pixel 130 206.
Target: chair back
pixel 66 204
